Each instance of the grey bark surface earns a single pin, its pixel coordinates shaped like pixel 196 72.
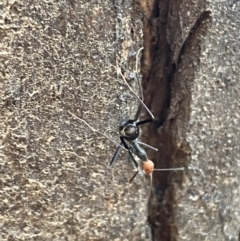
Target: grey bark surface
pixel 56 183
pixel 57 58
pixel 191 84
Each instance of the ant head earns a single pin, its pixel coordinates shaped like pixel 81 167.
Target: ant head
pixel 129 130
pixel 148 167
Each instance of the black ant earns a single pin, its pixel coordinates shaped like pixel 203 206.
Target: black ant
pixel 129 133
pixel 129 128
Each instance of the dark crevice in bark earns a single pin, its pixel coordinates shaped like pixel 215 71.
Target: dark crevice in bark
pixel 194 32
pixel 168 96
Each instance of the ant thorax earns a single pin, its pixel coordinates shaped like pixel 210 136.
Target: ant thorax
pixel 129 130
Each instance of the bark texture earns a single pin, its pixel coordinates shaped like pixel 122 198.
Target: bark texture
pixel 56 183
pixel 192 87
pixel 58 58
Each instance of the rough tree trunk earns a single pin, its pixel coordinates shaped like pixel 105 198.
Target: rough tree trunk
pixel 57 58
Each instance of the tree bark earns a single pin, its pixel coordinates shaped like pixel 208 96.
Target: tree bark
pixel 58 61
pixel 191 86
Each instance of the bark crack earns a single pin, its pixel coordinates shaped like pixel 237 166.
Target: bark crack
pixel 167 47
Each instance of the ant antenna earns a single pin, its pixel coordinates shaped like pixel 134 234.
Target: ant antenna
pixel 96 131
pixel 144 144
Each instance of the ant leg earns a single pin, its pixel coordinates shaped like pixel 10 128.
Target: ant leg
pixel 132 158
pixel 94 130
pixel 144 144
pixel 135 174
pixel 139 99
pixel 136 76
pixel 140 104
pixel 118 150
pixel 115 155
pixel 138 112
pixel 129 151
pixel 138 150
pixel 139 84
pixel 123 144
pixel 144 122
